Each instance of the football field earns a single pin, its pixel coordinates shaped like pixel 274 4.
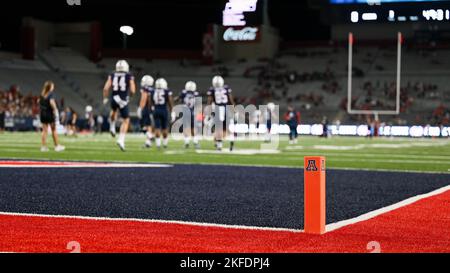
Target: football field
pixel 400 154
pixel 394 191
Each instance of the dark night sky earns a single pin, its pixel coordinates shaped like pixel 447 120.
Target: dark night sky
pixel 158 23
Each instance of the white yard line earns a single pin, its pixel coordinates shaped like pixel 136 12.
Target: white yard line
pixel 300 166
pixel 378 212
pixel 185 223
pixel 96 166
pixel 329 227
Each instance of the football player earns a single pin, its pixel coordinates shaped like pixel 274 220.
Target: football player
pixel 123 85
pixel 270 113
pixel 292 118
pixel 219 97
pixel 188 97
pixel 144 112
pixel 69 120
pixel 162 101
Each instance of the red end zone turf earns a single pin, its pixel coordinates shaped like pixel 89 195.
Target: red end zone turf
pixel 421 227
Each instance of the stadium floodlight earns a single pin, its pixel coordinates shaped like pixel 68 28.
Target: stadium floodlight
pixel 126 31
pixel 350 81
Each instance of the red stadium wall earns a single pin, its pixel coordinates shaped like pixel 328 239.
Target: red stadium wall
pixel 96 42
pixel 28 43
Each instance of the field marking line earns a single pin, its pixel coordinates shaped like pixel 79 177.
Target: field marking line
pixel 378 212
pixel 329 228
pixel 372 155
pixel 62 164
pixel 154 221
pixel 232 165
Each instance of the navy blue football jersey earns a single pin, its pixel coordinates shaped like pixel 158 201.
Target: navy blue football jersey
pixel 188 98
pixel 221 96
pixel 268 115
pixel 160 97
pixel 121 84
pixel 148 90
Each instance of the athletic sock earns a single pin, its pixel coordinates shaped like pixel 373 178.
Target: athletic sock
pixel 187 140
pixel 166 141
pixel 158 142
pixel 149 135
pixel 195 140
pixel 122 138
pixel 112 126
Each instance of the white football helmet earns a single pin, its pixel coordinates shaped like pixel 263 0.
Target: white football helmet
pixel 271 106
pixel 218 82
pixel 122 66
pixel 191 86
pixel 147 81
pixel 161 84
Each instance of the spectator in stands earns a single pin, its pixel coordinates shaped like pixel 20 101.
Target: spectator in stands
pixel 441 115
pixel 2 117
pixel 49 116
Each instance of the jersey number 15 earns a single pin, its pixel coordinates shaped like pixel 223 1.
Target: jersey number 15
pixel 159 97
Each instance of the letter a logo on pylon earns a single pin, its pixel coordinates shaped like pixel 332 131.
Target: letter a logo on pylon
pixel 311 166
pixel 315 195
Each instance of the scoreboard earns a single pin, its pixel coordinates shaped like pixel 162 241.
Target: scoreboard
pixel 241 20
pixel 389 11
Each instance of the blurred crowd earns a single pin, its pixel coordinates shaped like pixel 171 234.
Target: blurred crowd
pixel 13 103
pixel 441 116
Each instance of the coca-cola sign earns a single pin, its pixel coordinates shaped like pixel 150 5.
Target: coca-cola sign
pixel 246 34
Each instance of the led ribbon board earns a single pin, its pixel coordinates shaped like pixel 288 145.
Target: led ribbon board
pixel 389 11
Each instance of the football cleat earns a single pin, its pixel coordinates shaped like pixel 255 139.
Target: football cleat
pixel 121 146
pixel 59 148
pixel 148 144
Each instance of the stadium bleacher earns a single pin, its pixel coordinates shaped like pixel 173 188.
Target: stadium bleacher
pixel 312 79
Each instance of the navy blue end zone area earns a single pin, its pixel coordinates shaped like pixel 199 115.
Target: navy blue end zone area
pixel 250 196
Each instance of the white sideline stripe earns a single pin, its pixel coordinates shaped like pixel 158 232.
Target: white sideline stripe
pixel 329 227
pixel 185 223
pixel 378 212
pixel 251 165
pixel 88 166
